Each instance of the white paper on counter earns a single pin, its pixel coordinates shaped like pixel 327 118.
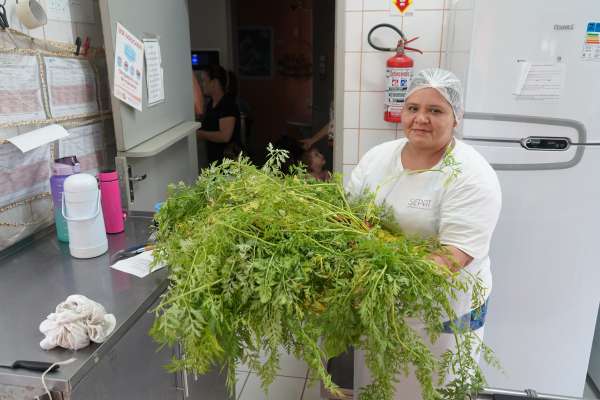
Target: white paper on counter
pixel 39 137
pixel 20 86
pixel 71 86
pixel 137 265
pixel 154 71
pixel 129 68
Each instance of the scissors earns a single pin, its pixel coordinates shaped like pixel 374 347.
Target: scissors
pixel 3 19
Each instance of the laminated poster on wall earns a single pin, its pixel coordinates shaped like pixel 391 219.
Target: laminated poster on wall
pixel 129 68
pixel 23 174
pixel 20 86
pixel 71 87
pixel 87 143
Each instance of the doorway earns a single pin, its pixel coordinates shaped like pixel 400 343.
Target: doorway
pixel 283 55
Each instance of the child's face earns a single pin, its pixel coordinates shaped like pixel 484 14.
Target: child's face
pixel 316 161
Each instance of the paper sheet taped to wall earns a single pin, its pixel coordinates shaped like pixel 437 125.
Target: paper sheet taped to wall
pixel 23 174
pixel 154 71
pixel 20 89
pixel 71 87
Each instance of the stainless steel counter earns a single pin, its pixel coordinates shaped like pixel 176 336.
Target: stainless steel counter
pixel 41 274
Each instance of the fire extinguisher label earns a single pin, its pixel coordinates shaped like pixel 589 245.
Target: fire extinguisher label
pixel 397 85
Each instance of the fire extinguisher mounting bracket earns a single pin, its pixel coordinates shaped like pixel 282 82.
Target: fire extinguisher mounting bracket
pixel 401 43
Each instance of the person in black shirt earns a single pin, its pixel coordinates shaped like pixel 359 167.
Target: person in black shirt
pixel 221 118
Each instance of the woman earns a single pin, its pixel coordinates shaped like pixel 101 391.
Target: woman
pixel 438 187
pixel 221 118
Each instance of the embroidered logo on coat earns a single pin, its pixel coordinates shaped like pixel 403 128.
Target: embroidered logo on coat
pixel 420 204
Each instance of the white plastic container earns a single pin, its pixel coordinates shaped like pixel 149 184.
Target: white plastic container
pixel 82 209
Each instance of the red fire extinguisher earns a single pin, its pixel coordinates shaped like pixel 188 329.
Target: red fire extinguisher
pixel 399 69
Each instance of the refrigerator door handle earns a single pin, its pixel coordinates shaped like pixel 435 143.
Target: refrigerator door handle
pixel 491 393
pixel 535 142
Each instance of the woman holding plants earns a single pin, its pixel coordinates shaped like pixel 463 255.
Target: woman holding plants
pixel 437 186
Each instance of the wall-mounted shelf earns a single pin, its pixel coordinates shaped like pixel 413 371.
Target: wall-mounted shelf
pixel 162 141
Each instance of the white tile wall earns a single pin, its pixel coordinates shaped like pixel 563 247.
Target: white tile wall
pixel 351 109
pixel 350 146
pixel 354 5
pixel 371 138
pixel 428 5
pixel 425 60
pixel 373 71
pixel 352 72
pixel 353 31
pixel 377 5
pixel 428 26
pixel 371 111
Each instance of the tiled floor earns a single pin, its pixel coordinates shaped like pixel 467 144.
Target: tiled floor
pixel 292 383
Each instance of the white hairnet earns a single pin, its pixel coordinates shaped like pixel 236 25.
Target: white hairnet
pixel 445 82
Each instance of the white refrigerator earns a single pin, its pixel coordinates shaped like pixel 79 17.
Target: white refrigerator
pixel 533 110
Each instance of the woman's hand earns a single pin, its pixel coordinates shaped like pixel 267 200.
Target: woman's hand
pixel 452 258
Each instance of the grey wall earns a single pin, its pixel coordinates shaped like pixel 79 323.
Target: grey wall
pixel 210 27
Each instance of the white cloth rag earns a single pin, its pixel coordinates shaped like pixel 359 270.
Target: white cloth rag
pixel 76 321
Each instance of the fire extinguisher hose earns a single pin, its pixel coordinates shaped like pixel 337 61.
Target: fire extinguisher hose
pixel 384 26
pixel 404 40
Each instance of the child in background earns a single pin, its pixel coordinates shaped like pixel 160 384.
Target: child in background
pixel 315 162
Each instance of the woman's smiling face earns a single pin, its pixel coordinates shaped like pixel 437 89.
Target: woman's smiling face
pixel 428 120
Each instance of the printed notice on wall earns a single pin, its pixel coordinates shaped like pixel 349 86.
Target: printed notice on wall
pixel 71 87
pixel 154 72
pixel 540 82
pixel 23 174
pixel 21 98
pixel 129 68
pixel 591 44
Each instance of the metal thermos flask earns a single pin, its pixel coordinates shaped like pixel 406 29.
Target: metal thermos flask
pixel 114 217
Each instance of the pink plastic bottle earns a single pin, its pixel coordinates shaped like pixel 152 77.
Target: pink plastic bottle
pixel 112 209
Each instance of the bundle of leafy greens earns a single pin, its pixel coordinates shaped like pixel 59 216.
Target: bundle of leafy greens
pixel 261 262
